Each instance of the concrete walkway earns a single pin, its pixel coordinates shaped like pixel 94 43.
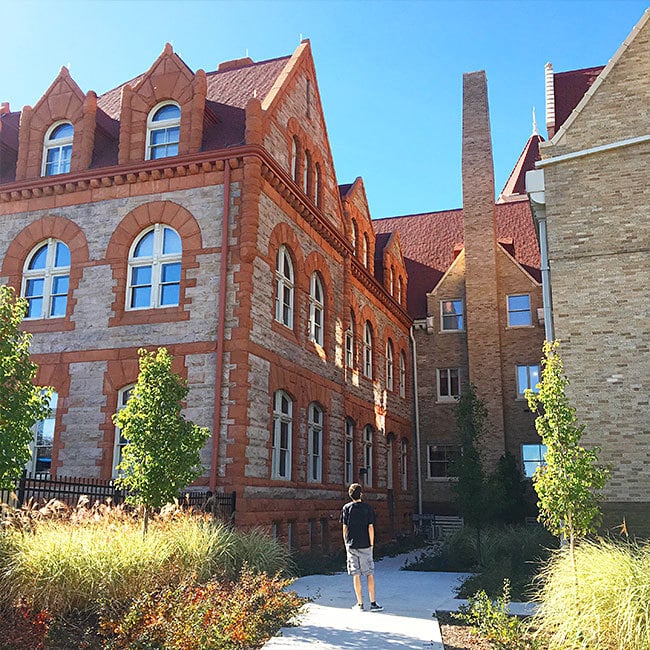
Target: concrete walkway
pixel 409 598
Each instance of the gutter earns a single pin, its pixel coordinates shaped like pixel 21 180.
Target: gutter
pixel 418 453
pixel 221 310
pixel 592 150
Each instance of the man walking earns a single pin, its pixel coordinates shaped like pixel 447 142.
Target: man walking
pixel 358 519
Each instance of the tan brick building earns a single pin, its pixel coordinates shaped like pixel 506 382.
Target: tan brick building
pixel 201 211
pixel 475 296
pixel 595 172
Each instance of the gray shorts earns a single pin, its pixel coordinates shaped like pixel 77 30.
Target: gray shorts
pixel 360 562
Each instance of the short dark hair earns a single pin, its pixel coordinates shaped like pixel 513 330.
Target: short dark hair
pixel 354 491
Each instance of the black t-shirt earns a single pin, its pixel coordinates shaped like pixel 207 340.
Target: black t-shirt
pixel 357 516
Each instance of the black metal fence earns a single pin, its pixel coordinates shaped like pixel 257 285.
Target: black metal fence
pixel 43 488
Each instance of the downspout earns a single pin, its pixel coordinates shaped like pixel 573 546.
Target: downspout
pixel 223 273
pixel 418 453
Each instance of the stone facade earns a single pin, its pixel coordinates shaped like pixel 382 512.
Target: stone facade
pixel 597 200
pixel 274 190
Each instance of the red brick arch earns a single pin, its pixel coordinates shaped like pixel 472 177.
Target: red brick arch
pixel 117 255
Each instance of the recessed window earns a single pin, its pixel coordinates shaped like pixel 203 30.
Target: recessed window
pixel 46 279
pixel 533 457
pixel 123 396
pixel 318 199
pixel 284 288
pixel 391 281
pixel 282 425
pixel 368 437
pixel 365 252
pixel 349 451
pixel 295 149
pixel 519 311
pixel 155 269
pixel 389 461
pixel 367 351
pixel 451 315
pixel 163 131
pixel 316 309
pixel 448 384
pixel 390 383
pixel 315 443
pixel 349 343
pixel 400 289
pixel 43 441
pixel 440 459
pixel 527 377
pixel 354 236
pixel 57 149
pixel 404 463
pixel 402 374
pixel 306 173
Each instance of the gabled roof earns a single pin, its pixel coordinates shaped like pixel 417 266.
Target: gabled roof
pixel 515 187
pixel 569 88
pixel 431 241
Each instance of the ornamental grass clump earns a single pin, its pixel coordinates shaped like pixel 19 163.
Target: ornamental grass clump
pixel 612 609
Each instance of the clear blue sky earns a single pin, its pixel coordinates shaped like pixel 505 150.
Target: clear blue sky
pixel 389 72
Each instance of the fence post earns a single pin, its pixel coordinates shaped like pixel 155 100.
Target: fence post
pixel 22 483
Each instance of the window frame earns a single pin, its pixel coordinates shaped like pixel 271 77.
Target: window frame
pixel 368 445
pixel 451 397
pixel 158 260
pixel 348 452
pixel 39 428
pixel 390 366
pixel 281 417
pixel 512 311
pixel 402 374
pixel 162 125
pixel 457 315
pixel 48 274
pixel 316 309
pixel 368 335
pixel 65 143
pixel 527 368
pixel 315 443
pixel 539 460
pixel 365 257
pixel 349 345
pixel 445 462
pixel 123 396
pixel 284 282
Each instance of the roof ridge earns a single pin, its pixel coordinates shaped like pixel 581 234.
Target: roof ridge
pixel 249 65
pixel 418 214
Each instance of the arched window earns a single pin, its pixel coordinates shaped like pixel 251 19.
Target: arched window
pixel 306 173
pixel 284 288
pixel 391 280
pixel 43 441
pixel 123 396
pixel 367 350
pixel 403 463
pixel 155 269
pixel 315 443
pixel 295 151
pixel 349 451
pixel 368 438
pixel 282 426
pixel 316 309
pixel 402 374
pixel 349 343
pixel 318 199
pixel 400 289
pixel 389 365
pixel 46 278
pixel 389 461
pixel 364 253
pixel 163 131
pixel 354 236
pixel 57 149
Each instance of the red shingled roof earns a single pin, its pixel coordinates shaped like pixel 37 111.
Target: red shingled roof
pixel 428 242
pixel 516 184
pixel 569 88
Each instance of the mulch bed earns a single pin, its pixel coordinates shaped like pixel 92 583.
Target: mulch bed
pixel 458 636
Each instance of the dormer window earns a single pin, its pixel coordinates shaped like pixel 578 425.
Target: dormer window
pixel 57 149
pixel 163 131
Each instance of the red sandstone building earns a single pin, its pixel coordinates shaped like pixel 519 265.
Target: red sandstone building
pixel 201 211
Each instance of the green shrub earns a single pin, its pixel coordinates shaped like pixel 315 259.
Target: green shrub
pixel 492 620
pixel 216 615
pixel 610 608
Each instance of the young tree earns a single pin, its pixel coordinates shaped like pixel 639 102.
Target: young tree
pixel 21 403
pixel 161 456
pixel 568 483
pixel 471 488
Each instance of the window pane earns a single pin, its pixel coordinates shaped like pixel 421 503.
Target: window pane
pixel 141 297
pixel 518 303
pixel 35 308
pixel 533 373
pixel 34 287
pixel 60 285
pixel 170 294
pixel 171 272
pixel 62 131
pixel 62 257
pixel 519 318
pixel 59 305
pixel 141 275
pixel 159 136
pixel 39 258
pixel 167 112
pixel 171 242
pixel 66 157
pixel 145 246
pixel 522 379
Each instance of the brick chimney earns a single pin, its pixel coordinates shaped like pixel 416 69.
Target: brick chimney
pixel 481 281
